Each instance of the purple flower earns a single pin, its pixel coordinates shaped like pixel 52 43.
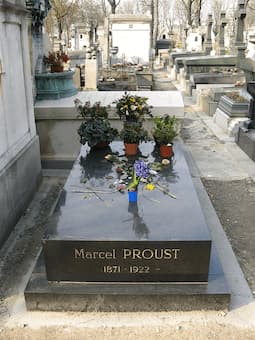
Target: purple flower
pixel 141 169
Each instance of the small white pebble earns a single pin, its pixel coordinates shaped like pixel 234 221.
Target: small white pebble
pixel 222 313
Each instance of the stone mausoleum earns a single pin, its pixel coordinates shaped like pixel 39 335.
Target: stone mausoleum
pixel 131 35
pixel 20 166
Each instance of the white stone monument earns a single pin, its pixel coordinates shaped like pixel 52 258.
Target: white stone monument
pixel 131 34
pixel 91 69
pixel 20 166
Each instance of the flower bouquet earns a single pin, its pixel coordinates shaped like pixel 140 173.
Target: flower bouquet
pixel 132 108
pixel 141 172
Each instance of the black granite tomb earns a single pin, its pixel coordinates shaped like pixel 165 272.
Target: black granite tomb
pixel 104 238
pixel 245 137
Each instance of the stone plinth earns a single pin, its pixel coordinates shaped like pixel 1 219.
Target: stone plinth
pixel 233 108
pixel 91 74
pixel 230 125
pixel 57 121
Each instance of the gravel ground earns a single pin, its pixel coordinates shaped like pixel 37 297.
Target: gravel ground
pixel 188 331
pixel 234 203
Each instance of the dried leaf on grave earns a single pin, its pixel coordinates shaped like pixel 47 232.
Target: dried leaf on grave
pixel 156 166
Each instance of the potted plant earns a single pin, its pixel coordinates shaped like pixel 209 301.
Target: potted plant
pixel 164 132
pixel 55 84
pixel 56 61
pixel 132 108
pixel 96 129
pixel 133 133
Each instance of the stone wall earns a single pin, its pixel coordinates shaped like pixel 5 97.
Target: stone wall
pixel 19 146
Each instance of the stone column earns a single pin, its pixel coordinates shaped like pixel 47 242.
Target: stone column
pixel 223 23
pixel 185 36
pixel 91 69
pixel 106 43
pixel 239 40
pixel 208 39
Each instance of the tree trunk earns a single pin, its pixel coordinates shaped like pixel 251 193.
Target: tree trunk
pixel 189 13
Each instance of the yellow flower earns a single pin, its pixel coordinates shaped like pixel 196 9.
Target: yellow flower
pixel 150 186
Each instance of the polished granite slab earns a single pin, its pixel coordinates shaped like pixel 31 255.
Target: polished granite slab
pixel 105 238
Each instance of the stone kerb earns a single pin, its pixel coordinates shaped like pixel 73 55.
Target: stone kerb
pixel 208 98
pixel 233 108
pixel 230 125
pixel 231 114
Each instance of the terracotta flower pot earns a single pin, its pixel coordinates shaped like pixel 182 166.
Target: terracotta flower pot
pixel 131 149
pixel 166 151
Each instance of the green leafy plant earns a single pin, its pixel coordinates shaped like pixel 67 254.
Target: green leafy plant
pixel 87 110
pixel 132 108
pixel 96 127
pixel 133 132
pixel 165 130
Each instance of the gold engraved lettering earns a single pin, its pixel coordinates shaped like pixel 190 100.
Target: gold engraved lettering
pixel 167 254
pixel 94 255
pixel 136 254
pixel 126 253
pixel 79 253
pixel 101 255
pixel 148 254
pixel 176 251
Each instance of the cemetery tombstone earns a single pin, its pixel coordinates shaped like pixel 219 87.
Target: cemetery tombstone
pixel 208 39
pixel 246 134
pixel 239 38
pixel 223 23
pixel 104 245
